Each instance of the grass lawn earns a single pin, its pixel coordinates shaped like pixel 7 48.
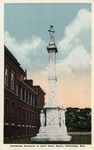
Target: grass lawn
pixel 76 139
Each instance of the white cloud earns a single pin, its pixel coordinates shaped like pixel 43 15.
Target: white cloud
pixel 30 53
pixel 76 44
pixel 77 61
pixel 73 32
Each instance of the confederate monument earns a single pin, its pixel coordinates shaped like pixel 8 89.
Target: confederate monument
pixel 53 127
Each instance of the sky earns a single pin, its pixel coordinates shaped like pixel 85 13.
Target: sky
pixel 26 35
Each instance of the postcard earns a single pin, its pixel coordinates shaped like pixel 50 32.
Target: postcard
pixel 46 74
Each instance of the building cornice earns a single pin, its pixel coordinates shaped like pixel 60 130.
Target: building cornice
pixel 7 51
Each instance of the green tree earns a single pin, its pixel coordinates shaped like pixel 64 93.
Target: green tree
pixel 78 119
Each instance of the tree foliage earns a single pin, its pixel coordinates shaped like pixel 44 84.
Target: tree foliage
pixel 78 119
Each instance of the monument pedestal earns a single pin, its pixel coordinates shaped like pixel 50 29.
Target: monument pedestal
pixel 52 131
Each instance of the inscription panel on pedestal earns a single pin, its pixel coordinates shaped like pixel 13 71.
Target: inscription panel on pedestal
pixel 52 117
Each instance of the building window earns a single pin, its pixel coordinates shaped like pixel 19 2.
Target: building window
pixel 19 112
pixel 29 115
pixel 6 131
pixel 32 116
pixel 12 80
pixel 21 93
pixel 6 106
pixel 17 89
pixel 12 131
pixel 26 115
pixel 26 130
pixel 6 75
pixel 28 96
pixel 13 108
pixel 24 95
pixel 35 116
pixel 18 130
pixel 23 130
pixel 31 99
pixel 23 114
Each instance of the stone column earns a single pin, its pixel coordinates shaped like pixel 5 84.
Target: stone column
pixel 52 78
pixel 52 50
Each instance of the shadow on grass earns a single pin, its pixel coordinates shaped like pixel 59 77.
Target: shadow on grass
pixel 76 139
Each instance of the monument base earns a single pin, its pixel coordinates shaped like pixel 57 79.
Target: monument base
pixel 51 139
pixel 51 133
pixel 55 129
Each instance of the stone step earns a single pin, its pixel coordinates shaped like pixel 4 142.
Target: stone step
pixel 51 138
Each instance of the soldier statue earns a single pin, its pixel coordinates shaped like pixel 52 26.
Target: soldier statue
pixel 51 32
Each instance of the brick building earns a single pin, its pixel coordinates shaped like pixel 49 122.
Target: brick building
pixel 22 100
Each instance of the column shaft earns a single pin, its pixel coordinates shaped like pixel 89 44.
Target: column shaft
pixel 52 77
